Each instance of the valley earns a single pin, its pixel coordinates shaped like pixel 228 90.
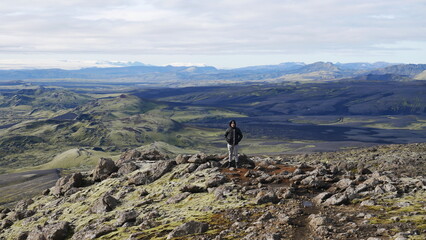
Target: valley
pixel 70 126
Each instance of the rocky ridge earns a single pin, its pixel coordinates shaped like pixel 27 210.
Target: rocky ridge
pixel 372 193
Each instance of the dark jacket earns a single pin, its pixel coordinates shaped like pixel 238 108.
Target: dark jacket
pixel 233 135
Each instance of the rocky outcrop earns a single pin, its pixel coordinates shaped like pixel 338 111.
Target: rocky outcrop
pixel 157 170
pixel 104 169
pixel 136 155
pixel 68 183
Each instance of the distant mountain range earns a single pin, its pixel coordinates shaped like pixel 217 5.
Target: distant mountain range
pixel 290 71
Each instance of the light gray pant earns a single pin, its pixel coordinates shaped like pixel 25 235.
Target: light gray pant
pixel 233 152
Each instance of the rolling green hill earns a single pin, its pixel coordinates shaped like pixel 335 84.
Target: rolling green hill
pixel 109 124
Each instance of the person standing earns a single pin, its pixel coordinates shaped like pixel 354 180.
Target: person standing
pixel 233 136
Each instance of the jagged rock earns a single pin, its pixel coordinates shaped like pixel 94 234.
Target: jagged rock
pixel 57 231
pixel 66 183
pixel 104 204
pixel 203 166
pixel 193 189
pixel 54 231
pixel 157 170
pixel 362 187
pixel 272 236
pixel 21 214
pixel 319 171
pixel 265 217
pixel 5 210
pixel 136 155
pixel 223 191
pixel 153 154
pixel 103 170
pixel 245 162
pixel 266 197
pixel 320 198
pixel 36 234
pixel 351 193
pixel 344 183
pixel 127 168
pixel 23 235
pixel 316 221
pixel 182 159
pixel 127 156
pixel 314 182
pixel 23 204
pixel 93 231
pixel 368 203
pixel 126 216
pixel 337 199
pixel 45 192
pixel 191 227
pixel 199 158
pixel 389 188
pixel 5 224
pixel 364 171
pixel 251 174
pixel 178 198
pixel 216 181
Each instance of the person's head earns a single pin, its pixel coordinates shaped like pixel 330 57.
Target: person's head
pixel 232 124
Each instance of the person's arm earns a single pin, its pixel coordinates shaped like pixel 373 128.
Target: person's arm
pixel 240 135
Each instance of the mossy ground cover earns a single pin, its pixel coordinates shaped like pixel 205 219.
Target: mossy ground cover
pixel 407 212
pixel 76 208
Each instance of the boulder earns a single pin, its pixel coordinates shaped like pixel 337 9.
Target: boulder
pixel 126 216
pixel 6 223
pixel 104 204
pixel 136 155
pixel 337 199
pixel 316 221
pixel 178 198
pixel 128 156
pixel 23 204
pixel 127 168
pixel 368 203
pixel 21 214
pixel 103 170
pixel 320 198
pixel 57 231
pixel 203 166
pixel 266 197
pixel 23 235
pixel 36 234
pixel 157 170
pixel 182 159
pixel 193 189
pixel 66 183
pixel 93 231
pixel 188 228
pixel 216 181
pixel 245 162
pixel 199 158
pixel 344 183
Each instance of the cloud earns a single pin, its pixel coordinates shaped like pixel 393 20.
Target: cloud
pixel 200 27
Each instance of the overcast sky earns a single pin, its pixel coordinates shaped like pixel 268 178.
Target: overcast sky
pixel 222 33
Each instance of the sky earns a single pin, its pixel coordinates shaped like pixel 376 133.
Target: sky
pixel 72 34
